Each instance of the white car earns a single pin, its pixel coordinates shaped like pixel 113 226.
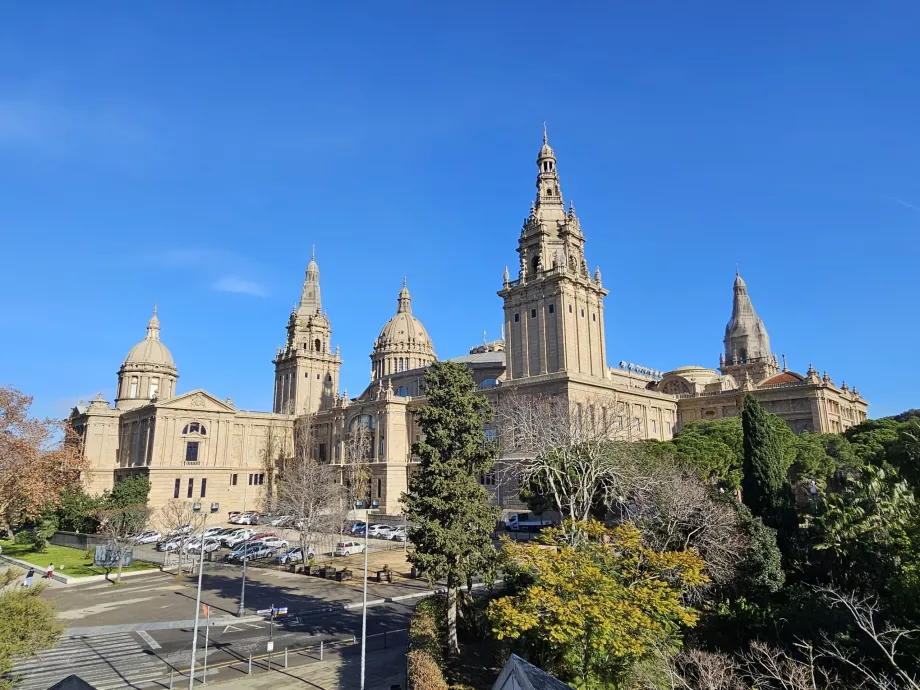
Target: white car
pixel 194 545
pixel 273 542
pixel 151 536
pixel 398 534
pixel 281 521
pixel 378 530
pixel 181 531
pixel 246 519
pixel 348 548
pixel 235 538
pixel 213 531
pixel 169 545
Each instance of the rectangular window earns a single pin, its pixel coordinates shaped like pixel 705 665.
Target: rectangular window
pixel 533 313
pixel 552 308
pixel 133 393
pixel 491 435
pixel 619 421
pixel 191 488
pixel 517 317
pixel 570 309
pixel 668 427
pixel 594 317
pixel 582 313
pixel 204 487
pixel 322 452
pixel 250 480
pixel 638 425
pixel 176 488
pixel 654 427
pixel 261 478
pixel 379 494
pixel 233 480
pixel 154 386
pixel 191 451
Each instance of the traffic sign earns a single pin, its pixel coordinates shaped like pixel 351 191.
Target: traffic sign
pixel 261 612
pixel 281 611
pixel 271 646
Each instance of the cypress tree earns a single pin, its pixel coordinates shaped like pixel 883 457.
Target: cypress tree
pixel 447 506
pixel 763 486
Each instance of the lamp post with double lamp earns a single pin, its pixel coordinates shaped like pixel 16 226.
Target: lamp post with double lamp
pixel 191 669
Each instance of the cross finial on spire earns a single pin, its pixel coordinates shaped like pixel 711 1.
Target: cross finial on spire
pixel 154 308
pixel 737 272
pixel 545 138
pixel 313 254
pixel 404 281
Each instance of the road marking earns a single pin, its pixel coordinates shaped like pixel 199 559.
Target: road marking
pixel 145 636
pixel 99 608
pixel 232 628
pixel 253 625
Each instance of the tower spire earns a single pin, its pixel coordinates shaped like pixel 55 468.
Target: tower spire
pixel 310 299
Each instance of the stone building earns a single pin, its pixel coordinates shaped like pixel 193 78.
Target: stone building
pixel 196 446
pixel 748 365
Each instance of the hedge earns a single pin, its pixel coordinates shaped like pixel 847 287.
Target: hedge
pixel 427 637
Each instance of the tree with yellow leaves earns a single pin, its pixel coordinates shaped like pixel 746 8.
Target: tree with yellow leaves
pixel 587 609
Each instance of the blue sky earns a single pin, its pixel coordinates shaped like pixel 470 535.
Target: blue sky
pixel 190 154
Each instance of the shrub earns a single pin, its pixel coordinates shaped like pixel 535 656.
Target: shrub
pixel 427 637
pixel 23 538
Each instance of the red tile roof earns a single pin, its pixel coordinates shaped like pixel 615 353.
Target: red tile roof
pixel 783 377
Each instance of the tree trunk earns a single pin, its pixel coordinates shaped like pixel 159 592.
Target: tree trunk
pixel 121 560
pixel 453 648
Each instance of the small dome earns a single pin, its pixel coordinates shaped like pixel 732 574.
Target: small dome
pixel 404 330
pixel 151 350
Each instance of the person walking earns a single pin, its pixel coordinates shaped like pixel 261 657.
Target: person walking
pixel 50 571
pixel 29 576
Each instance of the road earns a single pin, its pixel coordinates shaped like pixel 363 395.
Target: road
pixel 132 635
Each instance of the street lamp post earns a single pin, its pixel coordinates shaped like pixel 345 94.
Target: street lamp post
pixel 191 672
pixel 242 611
pixel 364 603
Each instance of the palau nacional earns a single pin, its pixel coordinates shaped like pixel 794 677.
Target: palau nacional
pixel 193 445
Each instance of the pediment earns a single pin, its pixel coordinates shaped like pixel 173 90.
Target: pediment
pixel 197 400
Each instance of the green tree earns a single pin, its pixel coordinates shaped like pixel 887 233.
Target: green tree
pixel 27 624
pixel 761 570
pixel 714 449
pixel 596 608
pixel 128 492
pixel 764 487
pixel 77 511
pixel 446 504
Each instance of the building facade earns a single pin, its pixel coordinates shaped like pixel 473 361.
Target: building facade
pixel 195 446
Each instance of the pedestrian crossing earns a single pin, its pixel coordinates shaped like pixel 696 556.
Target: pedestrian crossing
pixel 116 660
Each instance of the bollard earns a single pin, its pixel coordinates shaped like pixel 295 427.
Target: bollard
pixel 285 657
pixel 171 672
pixel 320 650
pixel 250 663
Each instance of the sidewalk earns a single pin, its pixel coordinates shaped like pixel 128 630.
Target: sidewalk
pixel 384 668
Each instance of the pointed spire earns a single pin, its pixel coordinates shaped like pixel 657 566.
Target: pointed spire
pixel 545 138
pixel 746 336
pixel 404 300
pixel 153 326
pixel 310 298
pixel 785 368
pixel 507 277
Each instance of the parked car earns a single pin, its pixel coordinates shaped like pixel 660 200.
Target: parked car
pixel 281 521
pixel 398 534
pixel 194 545
pixel 358 527
pixel 294 555
pixel 169 544
pixel 151 536
pixel 242 518
pixel 348 548
pixel 378 530
pixel 272 541
pixel 181 531
pixel 235 538
pixel 213 531
pixel 251 552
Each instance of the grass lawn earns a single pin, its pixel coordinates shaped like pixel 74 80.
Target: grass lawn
pixel 66 561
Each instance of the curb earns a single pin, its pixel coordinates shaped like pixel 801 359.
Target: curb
pixel 71 579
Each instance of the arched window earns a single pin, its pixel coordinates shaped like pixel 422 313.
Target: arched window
pixel 317 345
pixel 195 428
pixel 402 392
pixel 487 383
pixel 365 420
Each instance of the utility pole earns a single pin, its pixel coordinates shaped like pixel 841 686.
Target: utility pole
pixel 191 672
pixel 242 611
pixel 364 602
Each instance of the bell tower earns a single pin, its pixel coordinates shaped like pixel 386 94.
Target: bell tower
pixel 747 345
pixel 306 368
pixel 554 310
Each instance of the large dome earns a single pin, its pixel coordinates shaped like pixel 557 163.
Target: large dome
pixel 403 342
pixel 151 349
